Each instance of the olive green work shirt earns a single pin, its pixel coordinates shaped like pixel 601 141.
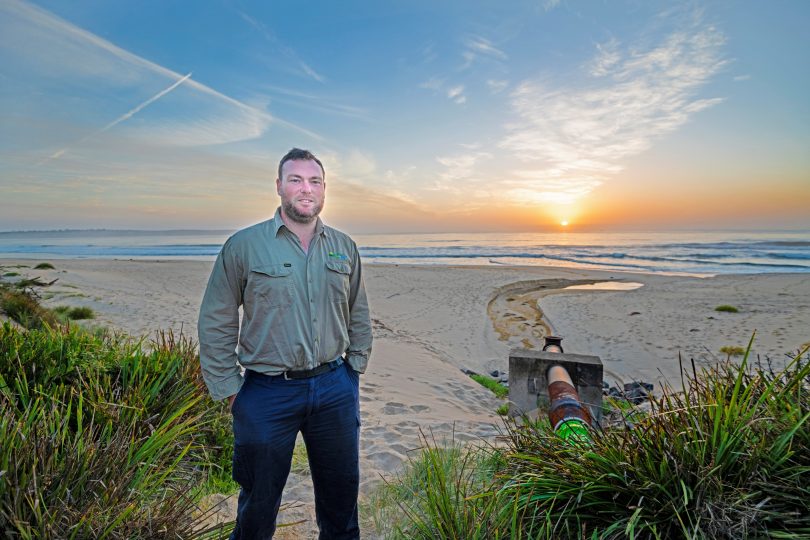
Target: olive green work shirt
pixel 299 309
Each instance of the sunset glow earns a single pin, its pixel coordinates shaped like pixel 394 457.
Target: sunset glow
pixel 436 117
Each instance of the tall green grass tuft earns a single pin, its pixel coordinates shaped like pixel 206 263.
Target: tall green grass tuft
pixel 100 437
pixel 443 492
pixel 728 457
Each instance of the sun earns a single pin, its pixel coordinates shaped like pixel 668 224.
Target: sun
pixel 564 223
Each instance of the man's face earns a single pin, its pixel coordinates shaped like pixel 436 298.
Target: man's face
pixel 302 190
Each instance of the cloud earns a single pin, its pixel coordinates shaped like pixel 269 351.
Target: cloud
pixel 739 78
pixel 497 86
pixel 484 46
pixel 476 47
pixel 456 94
pixel 607 57
pixel 311 101
pixel 126 116
pixel 460 167
pixel 287 51
pixel 574 138
pixel 60 59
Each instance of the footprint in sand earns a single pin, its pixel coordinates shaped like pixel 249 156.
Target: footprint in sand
pixel 385 460
pixel 392 407
pixel 420 408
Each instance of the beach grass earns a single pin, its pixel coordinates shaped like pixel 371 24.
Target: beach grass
pixel 74 313
pixel 732 350
pixel 726 308
pixel 444 491
pixel 44 266
pixel 727 457
pixel 101 437
pixel 497 388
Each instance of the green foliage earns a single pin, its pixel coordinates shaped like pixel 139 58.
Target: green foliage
pixel 11 274
pixel 100 438
pixel 502 409
pixel 727 309
pixel 23 307
pixel 732 350
pixel 728 457
pixel 443 492
pixel 44 266
pixel 497 388
pixel 79 313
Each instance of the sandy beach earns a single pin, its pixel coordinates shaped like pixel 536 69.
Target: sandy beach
pixel 431 321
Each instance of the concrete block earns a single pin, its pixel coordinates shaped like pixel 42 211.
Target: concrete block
pixel 528 383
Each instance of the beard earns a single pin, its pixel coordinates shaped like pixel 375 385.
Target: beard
pixel 292 212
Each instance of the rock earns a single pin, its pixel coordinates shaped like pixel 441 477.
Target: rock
pixel 494 373
pixel 637 391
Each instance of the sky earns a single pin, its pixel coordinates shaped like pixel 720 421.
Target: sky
pixel 429 116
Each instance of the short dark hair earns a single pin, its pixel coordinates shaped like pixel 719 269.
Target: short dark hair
pixel 298 154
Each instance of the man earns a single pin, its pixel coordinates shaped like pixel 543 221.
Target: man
pixel 305 337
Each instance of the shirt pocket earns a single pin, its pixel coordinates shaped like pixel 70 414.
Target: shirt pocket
pixel 337 280
pixel 271 285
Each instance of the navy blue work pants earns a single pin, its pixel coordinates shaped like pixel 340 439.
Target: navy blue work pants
pixel 268 413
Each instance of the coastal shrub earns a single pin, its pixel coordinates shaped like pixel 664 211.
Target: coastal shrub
pixel 44 266
pixel 723 459
pixel 24 308
pixel 68 313
pixel 81 313
pixel 11 274
pixel 100 436
pixel 727 309
pixel 497 388
pixel 727 457
pixel 732 350
pixel 503 409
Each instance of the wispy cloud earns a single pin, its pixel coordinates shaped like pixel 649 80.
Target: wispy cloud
pixel 126 116
pixel 476 47
pixel 456 94
pixel 49 50
pixel 497 86
pixel 608 55
pixel 460 167
pixel 575 138
pixel 287 51
pixel 313 101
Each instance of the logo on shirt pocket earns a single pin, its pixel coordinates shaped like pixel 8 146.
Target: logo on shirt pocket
pixel 337 280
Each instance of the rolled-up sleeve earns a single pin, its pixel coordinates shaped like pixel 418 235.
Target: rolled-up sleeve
pixel 359 320
pixel 218 326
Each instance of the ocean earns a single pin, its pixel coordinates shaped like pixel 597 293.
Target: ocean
pixel 695 253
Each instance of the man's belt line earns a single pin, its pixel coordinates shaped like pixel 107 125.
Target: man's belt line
pixel 307 373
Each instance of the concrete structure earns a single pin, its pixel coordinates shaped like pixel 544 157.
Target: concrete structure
pixel 528 379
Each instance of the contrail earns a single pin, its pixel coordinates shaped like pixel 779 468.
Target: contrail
pixel 146 103
pixel 123 117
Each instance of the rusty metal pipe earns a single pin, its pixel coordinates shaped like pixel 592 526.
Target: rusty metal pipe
pixel 553 344
pixel 569 418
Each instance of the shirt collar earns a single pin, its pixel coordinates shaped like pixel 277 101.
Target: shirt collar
pixel 278 223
